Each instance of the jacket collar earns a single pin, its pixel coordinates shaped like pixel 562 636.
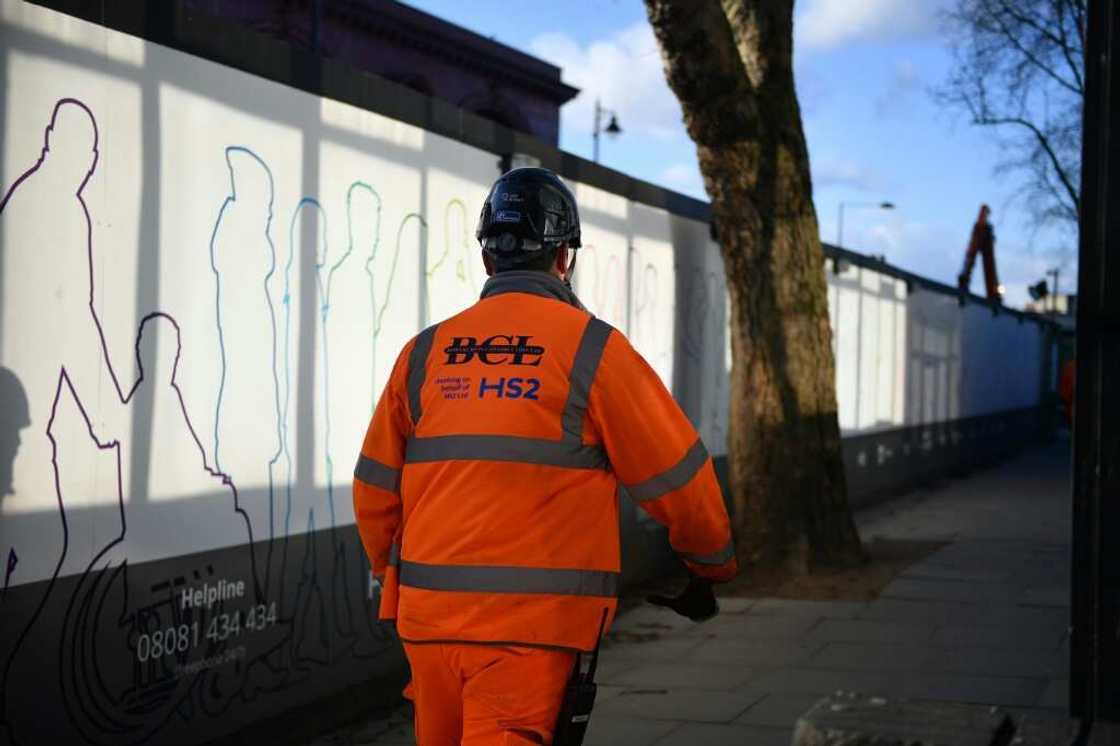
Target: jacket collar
pixel 534 283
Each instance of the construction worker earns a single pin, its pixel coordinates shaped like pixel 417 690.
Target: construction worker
pixel 982 242
pixel 1066 387
pixel 485 493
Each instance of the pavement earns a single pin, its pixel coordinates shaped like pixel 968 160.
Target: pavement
pixel 982 620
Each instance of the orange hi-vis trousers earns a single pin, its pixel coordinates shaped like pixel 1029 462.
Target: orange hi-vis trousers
pixel 483 695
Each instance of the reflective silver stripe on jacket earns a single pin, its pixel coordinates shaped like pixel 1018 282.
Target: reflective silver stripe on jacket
pixel 376 474
pixel 717 558
pixel 504 448
pixel 491 579
pixel 673 478
pixel 584 366
pixel 417 369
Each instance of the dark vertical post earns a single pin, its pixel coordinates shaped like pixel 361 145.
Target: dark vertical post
pixel 1095 643
pixel 316 24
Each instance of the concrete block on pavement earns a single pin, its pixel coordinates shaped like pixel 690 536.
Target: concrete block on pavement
pixel 845 719
pixel 1044 731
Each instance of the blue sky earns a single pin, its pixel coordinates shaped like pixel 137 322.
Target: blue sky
pixel 864 69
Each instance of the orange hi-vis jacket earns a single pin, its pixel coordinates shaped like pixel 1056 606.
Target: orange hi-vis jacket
pixel 486 490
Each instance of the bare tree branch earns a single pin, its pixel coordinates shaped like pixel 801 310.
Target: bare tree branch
pixel 1055 38
pixel 1072 59
pixel 1044 143
pixel 1034 60
pixel 1020 68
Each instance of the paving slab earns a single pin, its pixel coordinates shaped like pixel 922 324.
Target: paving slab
pixel 1055 695
pixel 822 682
pixel 1010 615
pixel 909 610
pixel 665 703
pixel 778 710
pixel 813 609
pixel 753 653
pixel 1046 596
pixel 755 626
pixel 855 656
pixel 936 570
pixel 687 676
pixel 937 659
pixel 989 690
pixel 613 730
pixel 950 590
pixel 994 690
pixel 701 734
pixel 1025 637
pixel 624 647
pixel 611 668
pixel 871 630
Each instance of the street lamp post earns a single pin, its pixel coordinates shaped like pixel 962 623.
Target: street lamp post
pixel 611 129
pixel 840 216
pixel 1055 272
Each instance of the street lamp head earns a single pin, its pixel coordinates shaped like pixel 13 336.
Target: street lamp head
pixel 612 126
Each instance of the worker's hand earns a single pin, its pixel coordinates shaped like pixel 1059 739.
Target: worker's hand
pixel 697 601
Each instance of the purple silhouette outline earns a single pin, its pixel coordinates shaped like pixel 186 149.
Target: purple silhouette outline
pixel 226 479
pixel 113 445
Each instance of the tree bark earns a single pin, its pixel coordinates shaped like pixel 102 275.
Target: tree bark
pixel 730 63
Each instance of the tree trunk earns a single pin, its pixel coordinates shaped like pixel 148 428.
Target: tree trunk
pixel 730 64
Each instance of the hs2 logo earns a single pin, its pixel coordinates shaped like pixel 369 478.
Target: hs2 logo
pixel 500 349
pixel 510 388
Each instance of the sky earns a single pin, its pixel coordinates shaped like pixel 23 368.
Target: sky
pixel 865 71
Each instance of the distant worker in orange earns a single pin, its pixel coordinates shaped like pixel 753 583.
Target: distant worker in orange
pixel 485 493
pixel 982 242
pixel 1066 384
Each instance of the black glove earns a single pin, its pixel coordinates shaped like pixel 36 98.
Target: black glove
pixel 697 602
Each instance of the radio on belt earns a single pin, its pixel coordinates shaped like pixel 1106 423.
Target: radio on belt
pixel 579 698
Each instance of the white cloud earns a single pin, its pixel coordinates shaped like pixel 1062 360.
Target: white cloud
pixel 624 72
pixel 828 23
pixel 830 170
pixel 904 83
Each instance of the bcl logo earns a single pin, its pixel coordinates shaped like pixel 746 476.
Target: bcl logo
pixel 500 349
